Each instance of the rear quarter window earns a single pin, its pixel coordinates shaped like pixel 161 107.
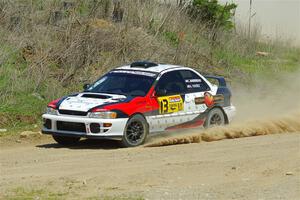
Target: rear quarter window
pixel 194 82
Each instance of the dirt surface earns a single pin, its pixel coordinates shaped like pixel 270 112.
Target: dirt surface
pixel 262 167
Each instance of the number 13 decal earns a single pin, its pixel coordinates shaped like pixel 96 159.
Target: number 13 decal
pixel 164 106
pixel 170 104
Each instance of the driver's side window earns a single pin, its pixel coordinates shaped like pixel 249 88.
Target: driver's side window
pixel 170 83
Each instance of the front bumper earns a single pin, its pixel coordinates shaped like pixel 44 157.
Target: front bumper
pixel 113 132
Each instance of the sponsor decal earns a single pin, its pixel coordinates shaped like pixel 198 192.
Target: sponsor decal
pixel 135 72
pixel 170 104
pixel 194 86
pixel 193 83
pixel 209 100
pixel 196 122
pixel 193 80
pixel 191 124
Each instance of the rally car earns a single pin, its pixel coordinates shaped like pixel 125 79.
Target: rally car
pixel 132 101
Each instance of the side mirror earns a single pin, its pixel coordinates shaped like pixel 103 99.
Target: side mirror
pixel 86 86
pixel 161 92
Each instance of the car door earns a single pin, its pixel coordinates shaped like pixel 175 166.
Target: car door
pixel 193 99
pixel 170 90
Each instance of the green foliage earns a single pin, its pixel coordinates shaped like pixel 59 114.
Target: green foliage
pixel 21 193
pixel 213 14
pixel 83 45
pixel 172 37
pixel 280 60
pixel 24 194
pixel 116 198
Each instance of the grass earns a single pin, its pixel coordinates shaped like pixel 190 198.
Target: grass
pixel 72 52
pixel 19 104
pixel 280 59
pixel 20 193
pixel 116 198
pixel 24 194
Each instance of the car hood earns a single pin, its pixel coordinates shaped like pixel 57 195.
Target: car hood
pixel 86 101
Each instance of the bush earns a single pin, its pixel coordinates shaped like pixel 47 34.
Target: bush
pixel 213 14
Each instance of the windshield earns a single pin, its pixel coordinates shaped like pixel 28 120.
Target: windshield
pixel 133 83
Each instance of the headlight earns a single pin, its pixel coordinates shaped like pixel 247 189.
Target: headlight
pixel 103 115
pixel 51 111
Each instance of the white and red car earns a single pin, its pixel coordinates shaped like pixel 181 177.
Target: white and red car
pixel 132 101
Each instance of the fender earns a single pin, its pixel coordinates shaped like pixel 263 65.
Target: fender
pixel 221 108
pixel 141 114
pixel 222 89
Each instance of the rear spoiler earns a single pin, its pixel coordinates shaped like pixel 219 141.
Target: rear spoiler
pixel 220 79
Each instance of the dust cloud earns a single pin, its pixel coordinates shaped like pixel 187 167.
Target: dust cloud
pixel 267 98
pixel 264 107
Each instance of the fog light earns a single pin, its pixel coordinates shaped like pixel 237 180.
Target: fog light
pixel 107 124
pixel 47 123
pixel 95 128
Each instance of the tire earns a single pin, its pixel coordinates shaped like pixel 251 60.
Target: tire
pixel 67 141
pixel 135 132
pixel 215 117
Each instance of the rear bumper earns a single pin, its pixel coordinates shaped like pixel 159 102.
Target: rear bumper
pixel 115 131
pixel 230 112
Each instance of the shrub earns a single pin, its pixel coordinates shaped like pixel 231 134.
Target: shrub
pixel 213 14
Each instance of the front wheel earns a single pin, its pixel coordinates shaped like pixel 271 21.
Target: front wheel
pixel 63 140
pixel 215 117
pixel 135 132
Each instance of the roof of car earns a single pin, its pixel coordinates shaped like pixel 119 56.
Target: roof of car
pixel 149 66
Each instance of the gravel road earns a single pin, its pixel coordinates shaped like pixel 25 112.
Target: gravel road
pixel 262 167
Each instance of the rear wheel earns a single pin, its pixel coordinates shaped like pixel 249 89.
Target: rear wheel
pixel 215 117
pixel 63 140
pixel 135 132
